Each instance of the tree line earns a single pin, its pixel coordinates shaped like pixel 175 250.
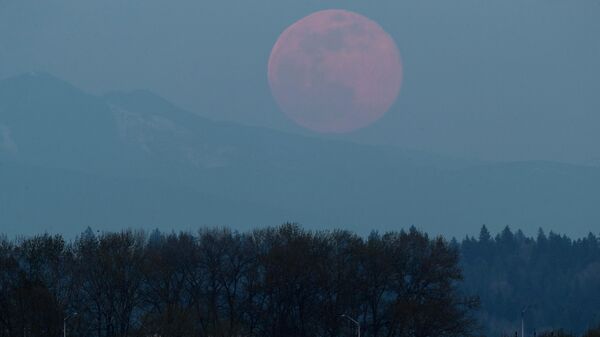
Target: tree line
pixel 272 282
pixel 555 277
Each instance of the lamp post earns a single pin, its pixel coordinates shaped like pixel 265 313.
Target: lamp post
pixel 65 323
pixel 355 322
pixel 523 320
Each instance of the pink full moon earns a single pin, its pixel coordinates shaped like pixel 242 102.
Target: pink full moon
pixel 335 71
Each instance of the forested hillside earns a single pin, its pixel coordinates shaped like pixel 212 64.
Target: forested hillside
pixel 556 277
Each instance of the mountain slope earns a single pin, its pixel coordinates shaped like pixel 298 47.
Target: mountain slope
pixel 138 145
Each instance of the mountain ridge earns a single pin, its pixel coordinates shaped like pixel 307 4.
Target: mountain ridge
pixel 139 136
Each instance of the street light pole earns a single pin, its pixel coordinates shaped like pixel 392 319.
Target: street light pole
pixel 523 321
pixel 355 322
pixel 65 323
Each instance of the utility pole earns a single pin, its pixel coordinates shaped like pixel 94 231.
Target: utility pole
pixel 523 320
pixel 65 323
pixel 355 322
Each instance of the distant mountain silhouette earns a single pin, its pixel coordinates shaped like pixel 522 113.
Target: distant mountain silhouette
pixel 69 159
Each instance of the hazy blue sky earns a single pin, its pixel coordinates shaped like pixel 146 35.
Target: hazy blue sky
pixel 494 79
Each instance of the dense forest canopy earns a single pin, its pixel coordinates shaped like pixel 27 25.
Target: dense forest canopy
pixel 287 281
pixel 282 281
pixel 556 277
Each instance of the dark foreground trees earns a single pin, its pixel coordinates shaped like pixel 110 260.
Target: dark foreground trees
pixel 274 282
